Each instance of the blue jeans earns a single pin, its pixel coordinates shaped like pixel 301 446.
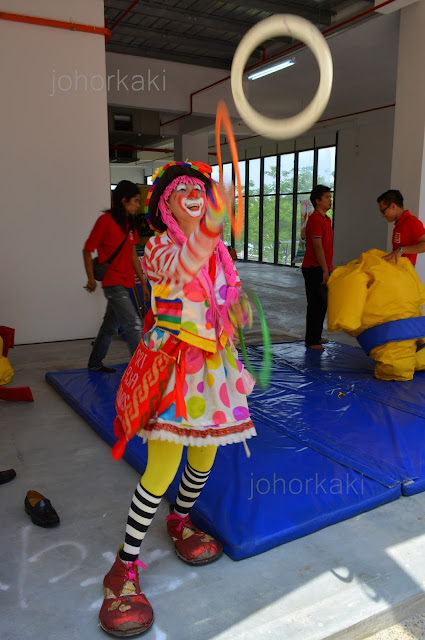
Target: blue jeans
pixel 119 311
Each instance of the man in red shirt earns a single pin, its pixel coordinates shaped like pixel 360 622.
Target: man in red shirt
pixel 409 232
pixel 106 236
pixel 317 265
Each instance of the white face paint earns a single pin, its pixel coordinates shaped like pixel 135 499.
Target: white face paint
pixel 186 200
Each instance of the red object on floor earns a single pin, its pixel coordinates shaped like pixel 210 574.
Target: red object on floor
pixel 16 394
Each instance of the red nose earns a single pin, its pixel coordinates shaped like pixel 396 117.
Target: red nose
pixel 193 194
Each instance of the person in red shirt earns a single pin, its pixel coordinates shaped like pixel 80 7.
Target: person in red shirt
pixel 409 232
pixel 106 236
pixel 317 265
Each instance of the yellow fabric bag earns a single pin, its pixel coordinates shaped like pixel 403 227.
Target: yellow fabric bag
pixel 6 371
pixel 347 293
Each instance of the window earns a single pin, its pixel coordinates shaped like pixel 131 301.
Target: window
pixel 269 208
pixel 253 222
pixel 326 170
pixel 272 189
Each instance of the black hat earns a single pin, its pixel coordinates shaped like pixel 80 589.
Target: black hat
pixel 164 176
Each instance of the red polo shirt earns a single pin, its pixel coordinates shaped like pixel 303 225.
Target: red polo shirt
pixel 106 236
pixel 319 225
pixel 407 231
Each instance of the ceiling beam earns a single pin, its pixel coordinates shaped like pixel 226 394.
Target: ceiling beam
pixel 318 16
pixel 186 16
pixel 163 54
pixel 171 37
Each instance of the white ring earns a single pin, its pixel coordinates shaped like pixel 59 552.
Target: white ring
pixel 301 29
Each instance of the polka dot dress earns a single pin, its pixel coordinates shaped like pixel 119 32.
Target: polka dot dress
pixel 215 399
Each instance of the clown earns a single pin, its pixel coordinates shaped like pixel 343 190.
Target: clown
pixel 198 399
pixel 380 303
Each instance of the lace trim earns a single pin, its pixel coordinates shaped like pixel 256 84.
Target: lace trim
pixel 188 436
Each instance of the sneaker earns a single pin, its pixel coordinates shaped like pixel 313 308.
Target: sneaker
pixel 125 611
pixel 191 544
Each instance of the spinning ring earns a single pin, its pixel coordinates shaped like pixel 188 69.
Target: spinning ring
pixel 223 118
pixel 301 29
pixel 263 374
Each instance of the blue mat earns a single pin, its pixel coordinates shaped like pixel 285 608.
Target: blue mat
pixel 284 491
pixel 349 367
pixel 330 401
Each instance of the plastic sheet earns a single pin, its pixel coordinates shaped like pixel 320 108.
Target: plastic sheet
pixel 285 490
pixel 330 401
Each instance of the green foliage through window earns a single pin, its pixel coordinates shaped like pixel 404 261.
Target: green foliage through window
pixel 272 189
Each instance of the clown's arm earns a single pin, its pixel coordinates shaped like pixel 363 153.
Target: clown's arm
pixel 164 260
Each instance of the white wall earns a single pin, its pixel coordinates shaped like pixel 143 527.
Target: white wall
pixel 146 83
pixel 54 169
pixel 363 172
pixel 408 156
pixel 194 147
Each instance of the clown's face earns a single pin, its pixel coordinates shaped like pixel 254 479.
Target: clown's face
pixel 187 203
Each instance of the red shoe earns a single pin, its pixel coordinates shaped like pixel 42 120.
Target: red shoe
pixel 191 544
pixel 125 611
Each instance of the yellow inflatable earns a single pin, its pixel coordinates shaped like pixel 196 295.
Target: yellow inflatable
pixel 379 303
pixel 6 371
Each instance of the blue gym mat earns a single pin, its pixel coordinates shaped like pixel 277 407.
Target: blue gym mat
pixel 350 367
pixel 288 487
pixel 330 401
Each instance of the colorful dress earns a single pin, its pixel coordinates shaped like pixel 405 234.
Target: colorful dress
pixel 186 301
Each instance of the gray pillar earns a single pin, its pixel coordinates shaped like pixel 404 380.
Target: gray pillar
pixel 193 147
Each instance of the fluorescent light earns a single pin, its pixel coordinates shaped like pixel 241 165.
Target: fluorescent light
pixel 274 67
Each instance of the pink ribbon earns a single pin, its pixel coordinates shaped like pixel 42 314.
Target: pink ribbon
pixel 183 520
pixel 131 571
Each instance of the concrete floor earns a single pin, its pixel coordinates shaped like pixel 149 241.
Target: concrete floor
pixel 349 580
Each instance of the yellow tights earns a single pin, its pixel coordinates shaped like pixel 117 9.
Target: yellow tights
pixel 163 462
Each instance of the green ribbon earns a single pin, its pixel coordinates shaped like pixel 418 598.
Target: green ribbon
pixel 263 374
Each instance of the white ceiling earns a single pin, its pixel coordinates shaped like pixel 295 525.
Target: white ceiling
pixel 365 73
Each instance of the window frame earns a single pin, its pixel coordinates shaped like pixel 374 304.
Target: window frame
pixel 296 196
